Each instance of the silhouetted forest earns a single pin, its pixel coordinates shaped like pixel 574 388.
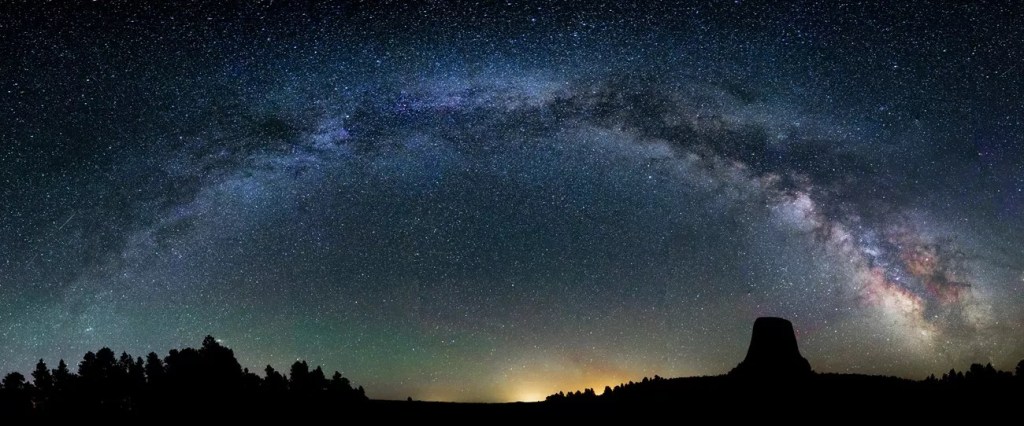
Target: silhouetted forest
pixel 190 380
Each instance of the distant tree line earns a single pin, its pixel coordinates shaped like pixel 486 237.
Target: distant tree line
pixel 979 375
pixel 589 394
pixel 208 378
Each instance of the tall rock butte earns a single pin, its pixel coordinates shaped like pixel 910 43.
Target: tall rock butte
pixel 773 352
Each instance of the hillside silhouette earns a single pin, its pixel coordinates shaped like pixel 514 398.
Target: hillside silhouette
pixel 773 376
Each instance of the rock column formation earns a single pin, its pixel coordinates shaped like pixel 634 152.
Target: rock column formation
pixel 773 352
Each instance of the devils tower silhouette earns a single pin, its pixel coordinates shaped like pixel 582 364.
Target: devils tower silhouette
pixel 773 352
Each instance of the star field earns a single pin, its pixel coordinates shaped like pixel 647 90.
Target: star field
pixel 495 202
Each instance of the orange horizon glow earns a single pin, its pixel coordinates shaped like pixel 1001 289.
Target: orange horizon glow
pixel 530 385
pixel 538 390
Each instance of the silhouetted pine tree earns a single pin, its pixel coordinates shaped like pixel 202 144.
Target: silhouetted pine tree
pixel 274 383
pixel 15 396
pixel 154 369
pixel 42 379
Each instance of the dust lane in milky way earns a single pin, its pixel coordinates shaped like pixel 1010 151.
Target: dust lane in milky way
pixel 495 203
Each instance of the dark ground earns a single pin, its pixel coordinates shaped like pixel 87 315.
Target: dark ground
pixel 722 397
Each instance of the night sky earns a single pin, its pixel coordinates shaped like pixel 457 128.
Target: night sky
pixel 496 202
